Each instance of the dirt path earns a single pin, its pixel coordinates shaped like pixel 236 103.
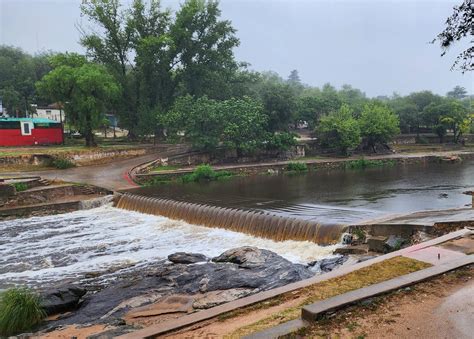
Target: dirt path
pixel 440 308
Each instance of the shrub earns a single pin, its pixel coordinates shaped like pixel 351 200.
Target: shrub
pixel 205 173
pixel 63 163
pixel 297 167
pixel 364 163
pixel 20 186
pixel 281 141
pixel 20 311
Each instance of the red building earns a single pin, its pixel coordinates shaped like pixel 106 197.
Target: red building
pixel 29 132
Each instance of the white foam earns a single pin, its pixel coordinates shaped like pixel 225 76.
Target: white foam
pixel 69 245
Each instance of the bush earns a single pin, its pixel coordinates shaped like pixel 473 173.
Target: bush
pixel 63 163
pixel 281 141
pixel 20 311
pixel 205 173
pixel 364 163
pixel 297 167
pixel 20 186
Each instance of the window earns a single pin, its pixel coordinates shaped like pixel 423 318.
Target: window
pixel 26 127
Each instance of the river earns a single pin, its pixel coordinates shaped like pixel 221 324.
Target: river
pixel 43 250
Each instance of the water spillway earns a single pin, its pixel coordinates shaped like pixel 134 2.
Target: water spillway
pixel 256 223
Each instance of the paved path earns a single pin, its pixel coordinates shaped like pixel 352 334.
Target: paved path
pixel 113 175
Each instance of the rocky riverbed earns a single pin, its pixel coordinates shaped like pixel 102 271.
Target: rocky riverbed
pixel 186 282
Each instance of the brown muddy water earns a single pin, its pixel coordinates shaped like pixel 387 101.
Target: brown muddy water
pixel 337 196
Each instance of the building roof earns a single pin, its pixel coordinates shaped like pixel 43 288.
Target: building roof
pixel 34 120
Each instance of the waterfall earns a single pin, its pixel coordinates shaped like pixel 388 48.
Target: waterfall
pixel 256 223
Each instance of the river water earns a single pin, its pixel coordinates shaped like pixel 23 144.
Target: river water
pixel 43 250
pixel 342 196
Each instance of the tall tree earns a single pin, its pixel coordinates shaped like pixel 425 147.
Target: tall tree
pixel 86 89
pixel 458 92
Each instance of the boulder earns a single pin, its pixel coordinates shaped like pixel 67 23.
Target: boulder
pixel 394 243
pixel 328 264
pixel 243 269
pixel 245 257
pixel 187 258
pixel 62 299
pixel 216 298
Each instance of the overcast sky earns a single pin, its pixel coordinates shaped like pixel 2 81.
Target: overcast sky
pixel 378 46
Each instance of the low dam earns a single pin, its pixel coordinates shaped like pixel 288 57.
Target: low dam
pixel 256 223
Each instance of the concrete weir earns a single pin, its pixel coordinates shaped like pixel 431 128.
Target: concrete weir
pixel 256 223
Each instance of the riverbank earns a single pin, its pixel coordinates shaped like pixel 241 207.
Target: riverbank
pixel 158 172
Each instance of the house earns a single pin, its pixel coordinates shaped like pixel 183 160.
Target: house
pixel 53 112
pixel 29 132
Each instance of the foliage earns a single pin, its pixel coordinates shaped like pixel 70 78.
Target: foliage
pixel 157 55
pixel 378 124
pixel 234 124
pixel 205 173
pixel 363 163
pixel 18 73
pixel 297 167
pixel 87 90
pixel 20 311
pixel 339 130
pixel 281 141
pixel 62 163
pixel 457 118
pixel 458 28
pixel 457 92
pixel 20 186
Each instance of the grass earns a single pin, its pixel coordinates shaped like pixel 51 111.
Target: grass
pixel 62 163
pixel 205 173
pixel 385 270
pixel 20 186
pixel 20 311
pixel 360 317
pixel 297 167
pixel 363 163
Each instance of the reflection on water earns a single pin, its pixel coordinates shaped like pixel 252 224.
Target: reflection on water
pixel 336 196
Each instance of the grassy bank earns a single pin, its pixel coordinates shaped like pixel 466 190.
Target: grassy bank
pixel 373 274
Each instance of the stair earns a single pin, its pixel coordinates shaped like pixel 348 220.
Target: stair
pixel 44 182
pixel 86 190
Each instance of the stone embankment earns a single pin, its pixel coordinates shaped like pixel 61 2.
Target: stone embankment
pixel 145 174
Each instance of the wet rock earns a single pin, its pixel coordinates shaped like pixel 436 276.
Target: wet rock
pixel 187 258
pixel 246 268
pixel 169 304
pixel 61 300
pixel 328 264
pixel 347 239
pixel 216 298
pixel 394 243
pixel 246 256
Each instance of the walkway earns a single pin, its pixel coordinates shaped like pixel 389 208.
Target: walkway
pixel 113 175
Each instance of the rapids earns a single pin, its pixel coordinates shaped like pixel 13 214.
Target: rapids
pixel 41 251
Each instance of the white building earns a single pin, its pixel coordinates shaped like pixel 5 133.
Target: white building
pixel 52 112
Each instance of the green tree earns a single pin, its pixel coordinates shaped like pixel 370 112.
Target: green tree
pixel 378 124
pixel 457 118
pixel 18 73
pixel 458 92
pixel 339 130
pixel 86 89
